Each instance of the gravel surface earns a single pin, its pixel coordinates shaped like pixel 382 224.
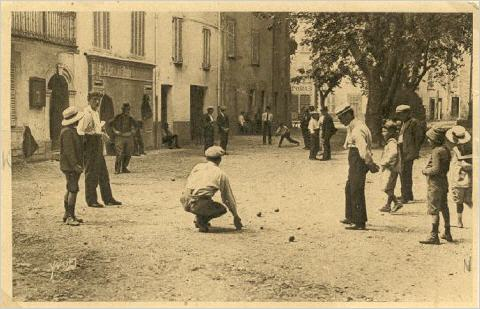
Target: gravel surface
pixel 295 250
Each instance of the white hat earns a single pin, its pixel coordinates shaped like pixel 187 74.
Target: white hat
pixel 71 115
pixel 402 108
pixel 214 152
pixel 343 109
pixel 458 135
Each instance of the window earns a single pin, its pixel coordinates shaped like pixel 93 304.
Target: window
pixel 305 101
pixel 138 34
pixel 177 40
pixel 13 108
pixel 231 37
pixel 455 107
pixel 430 82
pixel 101 30
pixel 255 48
pixel 206 49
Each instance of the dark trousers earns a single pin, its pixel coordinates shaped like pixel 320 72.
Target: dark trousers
pixel 355 205
pixel 267 131
pixel 314 143
pixel 171 141
pixel 96 172
pixel 223 140
pixel 138 146
pixel 306 137
pixel 123 151
pixel 406 179
pixel 208 138
pixel 327 152
pixel 288 138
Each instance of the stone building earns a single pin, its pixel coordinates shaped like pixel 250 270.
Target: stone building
pixel 187 70
pixel 43 77
pixel 255 66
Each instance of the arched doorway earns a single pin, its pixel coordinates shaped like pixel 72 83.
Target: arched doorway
pixel 58 103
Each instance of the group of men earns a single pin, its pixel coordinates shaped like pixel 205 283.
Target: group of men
pixel 317 130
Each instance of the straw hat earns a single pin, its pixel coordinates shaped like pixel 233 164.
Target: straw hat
pixel 458 135
pixel 214 152
pixel 436 134
pixel 71 115
pixel 343 109
pixel 402 108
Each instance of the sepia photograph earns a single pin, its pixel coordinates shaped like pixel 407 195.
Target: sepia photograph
pixel 240 154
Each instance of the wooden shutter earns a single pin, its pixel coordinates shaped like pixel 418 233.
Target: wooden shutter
pixel 255 48
pixel 206 49
pixel 95 29
pixel 177 40
pixel 13 107
pixel 231 35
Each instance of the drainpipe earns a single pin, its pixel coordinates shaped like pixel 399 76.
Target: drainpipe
pixel 219 60
pixel 155 98
pixel 273 67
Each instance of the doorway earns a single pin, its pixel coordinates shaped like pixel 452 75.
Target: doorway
pixel 432 109
pixel 107 113
pixel 164 98
pixel 197 96
pixel 58 103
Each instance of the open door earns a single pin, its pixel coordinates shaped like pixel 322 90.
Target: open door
pixel 197 95
pixel 58 103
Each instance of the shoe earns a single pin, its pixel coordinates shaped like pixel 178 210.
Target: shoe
pixel 346 221
pixel 306 148
pixel 385 209
pixel 447 235
pixel 117 172
pixel 432 240
pixel 198 226
pixel 459 221
pixel 396 207
pixel 125 171
pixel 314 159
pixel 355 227
pixel 113 203
pixel 95 205
pixel 71 221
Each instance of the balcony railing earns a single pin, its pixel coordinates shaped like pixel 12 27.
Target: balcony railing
pixel 54 27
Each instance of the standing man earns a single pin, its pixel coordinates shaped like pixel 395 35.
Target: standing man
pixel 124 127
pixel 202 184
pixel 304 126
pixel 328 130
pixel 223 127
pixel 96 172
pixel 267 121
pixel 208 129
pixel 359 143
pixel 314 131
pixel 410 141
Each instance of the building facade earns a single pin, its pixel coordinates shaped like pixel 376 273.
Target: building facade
pixel 187 70
pixel 168 66
pixel 42 76
pixel 255 65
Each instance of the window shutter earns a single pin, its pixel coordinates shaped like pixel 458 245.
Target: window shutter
pixel 206 49
pixel 177 40
pixel 255 48
pixel 132 33
pixel 95 29
pixel 107 31
pixel 13 107
pixel 231 38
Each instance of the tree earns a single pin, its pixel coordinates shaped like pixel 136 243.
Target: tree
pixel 388 53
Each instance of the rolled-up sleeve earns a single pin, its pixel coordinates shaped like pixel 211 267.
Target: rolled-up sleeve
pixel 360 139
pixel 227 194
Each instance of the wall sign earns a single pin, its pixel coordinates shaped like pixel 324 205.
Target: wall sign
pixel 37 92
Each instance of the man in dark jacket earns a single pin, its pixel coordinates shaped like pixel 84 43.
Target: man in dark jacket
pixel 208 128
pixel 328 130
pixel 223 127
pixel 124 127
pixel 410 141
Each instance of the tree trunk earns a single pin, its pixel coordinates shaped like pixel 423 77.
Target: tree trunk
pixel 374 114
pixel 322 100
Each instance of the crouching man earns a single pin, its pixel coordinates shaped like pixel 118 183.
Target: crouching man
pixel 202 184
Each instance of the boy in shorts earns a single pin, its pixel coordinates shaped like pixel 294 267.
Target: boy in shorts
pixel 461 178
pixel 71 161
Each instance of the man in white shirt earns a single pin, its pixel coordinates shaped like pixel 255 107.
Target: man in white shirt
pixel 360 161
pixel 241 123
pixel 96 172
pixel 202 184
pixel 267 121
pixel 314 131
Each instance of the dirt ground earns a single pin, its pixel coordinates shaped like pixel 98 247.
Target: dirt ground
pixel 148 249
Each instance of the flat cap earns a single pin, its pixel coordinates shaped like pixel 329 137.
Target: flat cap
pixel 210 107
pixel 402 108
pixel 214 152
pixel 343 109
pixel 314 112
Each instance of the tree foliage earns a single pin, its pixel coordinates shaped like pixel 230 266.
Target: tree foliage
pixel 385 52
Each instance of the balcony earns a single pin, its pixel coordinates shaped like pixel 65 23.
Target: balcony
pixel 54 27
